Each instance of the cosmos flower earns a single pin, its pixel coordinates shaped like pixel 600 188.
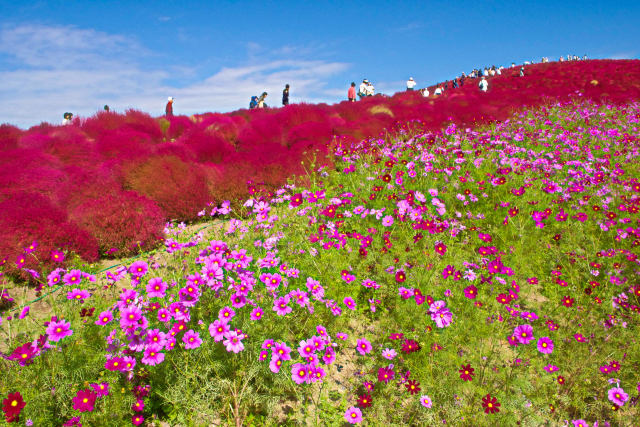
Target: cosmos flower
pixel 353 415
pixel 84 400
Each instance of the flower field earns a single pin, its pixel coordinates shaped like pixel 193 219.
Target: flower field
pixel 105 185
pixel 446 272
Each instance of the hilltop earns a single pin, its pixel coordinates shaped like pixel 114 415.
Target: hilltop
pixel 107 184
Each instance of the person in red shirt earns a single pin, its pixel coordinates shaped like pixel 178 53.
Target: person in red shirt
pixel 351 94
pixel 169 108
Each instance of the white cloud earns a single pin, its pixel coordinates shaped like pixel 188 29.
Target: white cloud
pixel 623 55
pixel 53 69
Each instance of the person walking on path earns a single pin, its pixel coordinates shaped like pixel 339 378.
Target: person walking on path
pixel 67 118
pixel 351 93
pixel 521 71
pixel 483 85
pixel 285 95
pixel 411 83
pixel 168 110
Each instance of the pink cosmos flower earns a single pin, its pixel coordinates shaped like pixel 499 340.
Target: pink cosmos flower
pixel 387 221
pixel 57 256
pixel 350 303
pixel 104 318
pixel 523 333
pixel 281 307
pixel 551 368
pixel 545 345
pixel 156 288
pixel 136 420
pixel 389 353
pixel 153 355
pixel 256 313
pixel 72 278
pixel 275 365
pixel 138 269
pixel 84 400
pixel 618 396
pixel 426 401
pixel 363 346
pixel 300 373
pixel 191 339
pixel 130 316
pixel 57 330
pixel 442 318
pixel 78 294
pixel 233 343
pixel 101 389
pixel 218 329
pixel 353 415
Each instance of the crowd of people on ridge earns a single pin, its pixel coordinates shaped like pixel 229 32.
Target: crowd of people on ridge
pixel 366 88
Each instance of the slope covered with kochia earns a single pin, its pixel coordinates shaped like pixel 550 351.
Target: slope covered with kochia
pixel 106 184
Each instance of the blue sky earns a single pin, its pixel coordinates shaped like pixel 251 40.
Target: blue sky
pixel 58 56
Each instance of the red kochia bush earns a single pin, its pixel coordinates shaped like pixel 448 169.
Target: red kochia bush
pixel 121 223
pixel 29 217
pixel 9 136
pixel 206 145
pixel 179 188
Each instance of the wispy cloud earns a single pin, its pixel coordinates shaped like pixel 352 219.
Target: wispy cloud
pixel 53 69
pixel 623 55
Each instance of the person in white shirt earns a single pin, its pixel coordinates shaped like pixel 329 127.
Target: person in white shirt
pixel 483 85
pixel 370 90
pixel 66 118
pixel 425 92
pixel 411 83
pixel 362 90
pixel 438 91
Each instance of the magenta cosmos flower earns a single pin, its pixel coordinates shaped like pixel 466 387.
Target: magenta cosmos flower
pixel 129 316
pixel 58 330
pixel 300 373
pixel 256 313
pixel 191 339
pixel 353 415
pixel 153 355
pixel 545 345
pixel 350 303
pixel 387 221
pixel 618 396
pixel 363 346
pixel 156 288
pixel 72 278
pixel 78 294
pixel 218 329
pixel 104 318
pixel 138 269
pixel 84 400
pixel 523 333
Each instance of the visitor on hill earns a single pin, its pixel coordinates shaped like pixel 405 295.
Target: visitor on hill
pixel 462 80
pixel 584 58
pixel 562 59
pixel 370 90
pixel 411 83
pixel 483 85
pixel 66 118
pixel 485 72
pixel 454 84
pixel 106 108
pixel 362 90
pixel 261 103
pixel 425 92
pixel 168 110
pixel 253 103
pixel 351 93
pixel 285 95
pixel 521 71
pixel 438 91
